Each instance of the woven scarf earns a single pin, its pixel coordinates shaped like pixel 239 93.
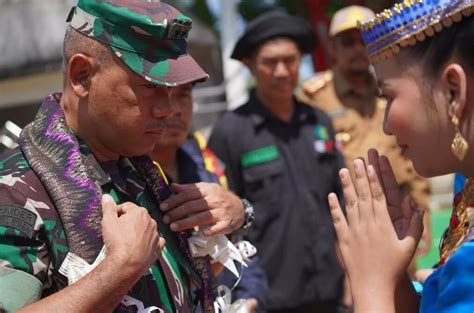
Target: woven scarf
pixel 53 153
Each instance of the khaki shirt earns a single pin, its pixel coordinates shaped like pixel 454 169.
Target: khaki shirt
pixel 357 116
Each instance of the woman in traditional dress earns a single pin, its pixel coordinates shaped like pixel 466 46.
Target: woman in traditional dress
pixel 423 56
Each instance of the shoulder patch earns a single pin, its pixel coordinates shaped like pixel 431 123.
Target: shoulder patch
pixel 321 132
pixel 19 218
pixel 313 85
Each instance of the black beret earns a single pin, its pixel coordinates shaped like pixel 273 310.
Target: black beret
pixel 270 25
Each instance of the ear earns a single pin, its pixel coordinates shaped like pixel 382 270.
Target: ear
pixel 454 81
pixel 80 71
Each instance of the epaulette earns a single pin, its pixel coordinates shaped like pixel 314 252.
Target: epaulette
pixel 316 83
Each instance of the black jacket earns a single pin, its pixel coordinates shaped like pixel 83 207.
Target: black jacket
pixel 286 170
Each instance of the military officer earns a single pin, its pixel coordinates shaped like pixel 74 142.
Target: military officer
pixel 80 224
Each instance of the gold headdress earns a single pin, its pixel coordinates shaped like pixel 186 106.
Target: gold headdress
pixel 409 22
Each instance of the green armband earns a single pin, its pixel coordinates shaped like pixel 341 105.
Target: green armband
pixel 18 289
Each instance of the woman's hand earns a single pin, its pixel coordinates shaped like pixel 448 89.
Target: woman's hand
pixel 375 251
pixel 400 209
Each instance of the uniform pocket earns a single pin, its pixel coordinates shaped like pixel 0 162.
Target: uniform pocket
pixel 263 185
pixel 261 171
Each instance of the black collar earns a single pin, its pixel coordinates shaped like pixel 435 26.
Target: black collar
pixel 259 114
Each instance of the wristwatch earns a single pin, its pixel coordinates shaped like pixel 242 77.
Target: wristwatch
pixel 249 215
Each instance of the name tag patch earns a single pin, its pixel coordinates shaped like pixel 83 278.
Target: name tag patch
pixel 259 156
pixel 19 218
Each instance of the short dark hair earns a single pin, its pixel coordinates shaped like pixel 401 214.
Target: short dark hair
pixel 75 42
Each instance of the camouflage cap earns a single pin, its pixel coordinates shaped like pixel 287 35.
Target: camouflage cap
pixel 148 36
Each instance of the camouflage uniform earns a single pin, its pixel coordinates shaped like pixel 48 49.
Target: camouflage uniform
pixel 357 116
pixel 50 186
pixel 33 242
pixel 31 236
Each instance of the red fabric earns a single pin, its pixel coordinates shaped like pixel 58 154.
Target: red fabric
pixel 320 25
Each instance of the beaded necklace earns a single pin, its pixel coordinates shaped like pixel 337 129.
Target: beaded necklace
pixel 461 222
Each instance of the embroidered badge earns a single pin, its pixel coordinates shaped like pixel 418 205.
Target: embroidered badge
pixel 320 146
pixel 323 146
pixel 19 218
pixel 259 156
pixel 323 142
pixel 321 132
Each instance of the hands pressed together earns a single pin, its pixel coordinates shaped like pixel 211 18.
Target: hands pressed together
pixel 379 234
pixel 377 237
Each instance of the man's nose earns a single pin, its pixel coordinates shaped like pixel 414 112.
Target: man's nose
pixel 358 44
pixel 281 70
pixel 176 105
pixel 163 106
pixel 360 47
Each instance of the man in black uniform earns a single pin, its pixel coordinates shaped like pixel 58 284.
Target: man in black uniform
pixel 281 155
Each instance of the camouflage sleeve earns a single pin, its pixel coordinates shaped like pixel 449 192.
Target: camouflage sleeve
pixel 24 260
